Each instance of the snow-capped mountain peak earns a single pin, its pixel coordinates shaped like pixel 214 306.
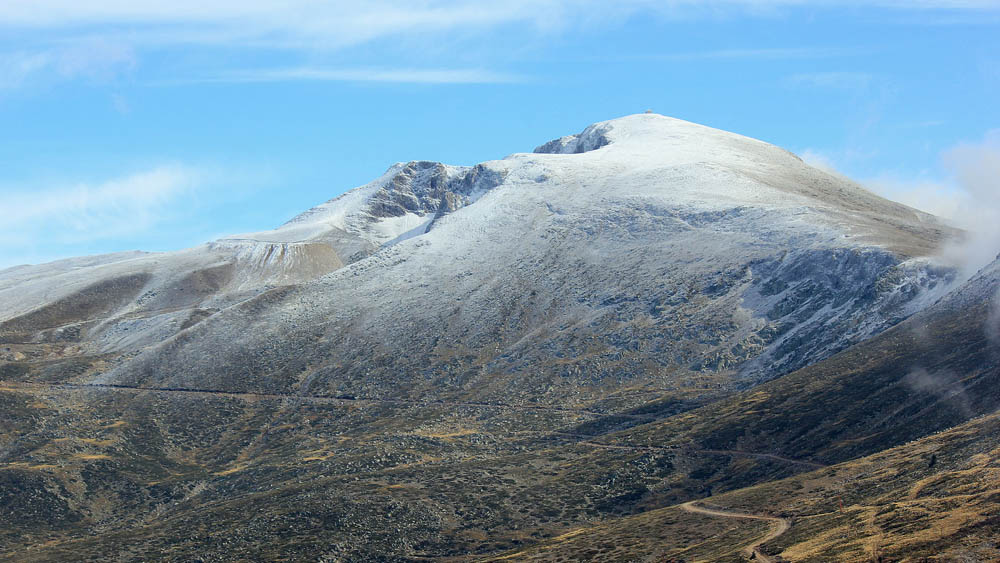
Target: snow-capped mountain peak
pixel 643 216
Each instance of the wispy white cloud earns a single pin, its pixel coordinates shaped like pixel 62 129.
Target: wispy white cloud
pixel 839 80
pixel 975 168
pixel 963 5
pixel 402 75
pixel 926 124
pixel 935 197
pixel 75 38
pixel 818 159
pixel 93 212
pixel 92 58
pixel 15 68
pixel 969 197
pixel 340 22
pixel 295 23
pixel 770 53
pixel 46 12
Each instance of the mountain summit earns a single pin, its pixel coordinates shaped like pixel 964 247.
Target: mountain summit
pixel 644 245
pixel 628 318
pixel 643 155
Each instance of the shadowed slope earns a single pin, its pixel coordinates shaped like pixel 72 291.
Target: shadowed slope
pixel 457 362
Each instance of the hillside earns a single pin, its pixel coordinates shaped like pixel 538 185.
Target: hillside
pixel 463 361
pixel 911 417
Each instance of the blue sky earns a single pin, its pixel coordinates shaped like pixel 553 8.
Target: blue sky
pixel 159 125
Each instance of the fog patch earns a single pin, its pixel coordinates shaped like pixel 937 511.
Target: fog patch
pixel 944 385
pixel 967 198
pixel 976 172
pixel 992 327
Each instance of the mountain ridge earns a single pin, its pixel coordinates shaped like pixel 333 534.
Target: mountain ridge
pixel 646 180
pixel 461 361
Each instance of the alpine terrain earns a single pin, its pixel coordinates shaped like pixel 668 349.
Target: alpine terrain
pixel 650 341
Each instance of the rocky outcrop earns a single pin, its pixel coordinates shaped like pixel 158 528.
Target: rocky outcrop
pixel 591 138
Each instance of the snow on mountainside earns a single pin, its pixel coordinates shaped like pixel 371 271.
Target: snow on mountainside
pixel 645 252
pixel 405 200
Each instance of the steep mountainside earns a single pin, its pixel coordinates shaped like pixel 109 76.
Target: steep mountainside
pixel 460 361
pixel 667 251
pixel 934 499
pixel 915 478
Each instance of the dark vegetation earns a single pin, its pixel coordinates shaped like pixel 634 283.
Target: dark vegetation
pixel 100 473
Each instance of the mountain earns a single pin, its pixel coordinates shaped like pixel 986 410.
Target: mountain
pixel 616 250
pixel 906 422
pixel 457 361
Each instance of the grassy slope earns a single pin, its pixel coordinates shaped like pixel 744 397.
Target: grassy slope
pixel 895 504
pixel 931 373
pixel 96 475
pixel 928 373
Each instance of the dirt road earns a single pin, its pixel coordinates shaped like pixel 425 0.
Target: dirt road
pixel 778 526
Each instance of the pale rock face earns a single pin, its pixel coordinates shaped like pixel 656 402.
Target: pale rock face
pixel 589 139
pixel 644 253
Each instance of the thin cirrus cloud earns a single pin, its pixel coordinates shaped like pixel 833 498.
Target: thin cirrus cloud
pixel 66 39
pixel 767 53
pixel 333 23
pixel 293 24
pixel 78 213
pixel 92 58
pixel 744 54
pixel 839 80
pixel 400 75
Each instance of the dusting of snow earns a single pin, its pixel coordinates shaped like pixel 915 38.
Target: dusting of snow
pixel 638 222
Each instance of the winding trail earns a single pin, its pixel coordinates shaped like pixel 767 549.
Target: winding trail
pixel 341 399
pixel 583 439
pixel 811 464
pixel 778 526
pixel 686 449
